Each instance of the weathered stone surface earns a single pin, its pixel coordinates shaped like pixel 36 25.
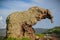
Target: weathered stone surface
pixel 20 24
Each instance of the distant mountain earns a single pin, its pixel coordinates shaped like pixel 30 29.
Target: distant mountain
pixel 2 32
pixel 40 30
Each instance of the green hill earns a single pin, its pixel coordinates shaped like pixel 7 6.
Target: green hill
pixel 40 30
pixel 55 30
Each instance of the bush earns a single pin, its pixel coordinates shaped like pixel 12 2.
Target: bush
pixel 25 38
pixel 40 35
pixel 10 38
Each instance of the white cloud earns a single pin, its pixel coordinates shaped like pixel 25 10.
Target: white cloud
pixel 1 18
pixel 2 23
pixel 38 1
pixel 12 6
pixel 17 5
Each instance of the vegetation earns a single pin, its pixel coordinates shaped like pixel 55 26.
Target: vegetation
pixel 55 30
pixel 24 38
pixel 40 35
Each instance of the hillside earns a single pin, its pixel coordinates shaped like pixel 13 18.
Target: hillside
pixel 40 30
pixel 55 30
pixel 37 30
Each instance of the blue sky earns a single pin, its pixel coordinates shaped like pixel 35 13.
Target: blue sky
pixel 7 7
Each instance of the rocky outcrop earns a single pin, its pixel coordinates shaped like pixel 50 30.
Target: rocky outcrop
pixel 20 24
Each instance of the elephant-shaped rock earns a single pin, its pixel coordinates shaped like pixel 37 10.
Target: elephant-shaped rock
pixel 19 24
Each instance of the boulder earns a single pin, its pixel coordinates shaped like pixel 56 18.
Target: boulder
pixel 19 24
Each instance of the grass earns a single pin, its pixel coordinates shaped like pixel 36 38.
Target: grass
pixel 24 38
pixel 40 35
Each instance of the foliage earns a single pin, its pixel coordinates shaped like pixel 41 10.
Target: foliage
pixel 40 35
pixel 2 38
pixel 25 38
pixel 13 38
pixel 55 30
pixel 10 38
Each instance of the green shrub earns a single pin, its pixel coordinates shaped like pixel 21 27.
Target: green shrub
pixel 25 38
pixel 40 35
pixel 10 38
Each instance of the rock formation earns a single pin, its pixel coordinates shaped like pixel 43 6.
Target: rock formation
pixel 20 24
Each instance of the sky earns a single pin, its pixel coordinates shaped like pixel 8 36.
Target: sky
pixel 9 6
